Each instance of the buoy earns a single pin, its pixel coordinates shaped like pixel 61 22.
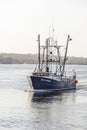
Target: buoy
pixel 76 81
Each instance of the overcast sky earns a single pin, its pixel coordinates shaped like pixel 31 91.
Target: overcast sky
pixel 22 20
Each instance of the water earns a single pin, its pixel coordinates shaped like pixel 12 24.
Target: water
pixel 24 110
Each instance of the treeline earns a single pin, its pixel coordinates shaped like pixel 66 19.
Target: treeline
pixel 77 60
pixel 12 58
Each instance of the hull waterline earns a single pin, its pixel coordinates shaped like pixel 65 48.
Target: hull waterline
pixel 44 83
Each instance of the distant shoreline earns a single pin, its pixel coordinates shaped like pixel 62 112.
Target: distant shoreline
pixel 13 58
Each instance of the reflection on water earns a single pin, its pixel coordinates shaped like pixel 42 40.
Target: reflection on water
pixel 58 110
pixel 24 110
pixel 50 96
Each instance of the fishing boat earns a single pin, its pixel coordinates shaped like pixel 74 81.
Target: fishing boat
pixel 50 75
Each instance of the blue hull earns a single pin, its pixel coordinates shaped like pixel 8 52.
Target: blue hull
pixel 42 83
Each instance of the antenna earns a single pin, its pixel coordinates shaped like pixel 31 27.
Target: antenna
pixel 49 31
pixel 53 28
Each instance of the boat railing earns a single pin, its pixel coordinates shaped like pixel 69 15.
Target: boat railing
pixel 43 74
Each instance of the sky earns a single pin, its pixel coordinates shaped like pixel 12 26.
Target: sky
pixel 22 20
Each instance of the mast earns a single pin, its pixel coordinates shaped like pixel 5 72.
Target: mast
pixel 65 57
pixel 38 52
pixel 47 44
pixel 59 57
